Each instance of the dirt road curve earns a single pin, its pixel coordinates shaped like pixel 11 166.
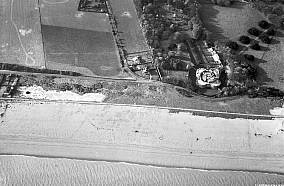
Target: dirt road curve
pixel 141 135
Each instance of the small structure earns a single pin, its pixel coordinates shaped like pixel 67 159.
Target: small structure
pixel 208 77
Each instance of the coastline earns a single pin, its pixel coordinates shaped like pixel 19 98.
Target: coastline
pixel 15 169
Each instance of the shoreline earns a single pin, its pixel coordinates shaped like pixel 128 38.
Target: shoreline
pixel 21 170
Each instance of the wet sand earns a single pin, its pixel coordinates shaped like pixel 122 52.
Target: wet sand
pixel 23 170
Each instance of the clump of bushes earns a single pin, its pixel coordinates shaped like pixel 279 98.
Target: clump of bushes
pixel 254 31
pixel 244 39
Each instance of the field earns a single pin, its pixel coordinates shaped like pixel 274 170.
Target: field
pixel 93 50
pixel 78 39
pixel 20 35
pixel 128 25
pixel 23 170
pixel 229 23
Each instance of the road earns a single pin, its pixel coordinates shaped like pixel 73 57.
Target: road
pixel 141 135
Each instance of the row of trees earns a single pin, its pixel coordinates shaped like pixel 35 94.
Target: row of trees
pixel 263 36
pixel 222 2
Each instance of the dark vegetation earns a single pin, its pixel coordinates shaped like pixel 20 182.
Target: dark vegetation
pixel 244 39
pixel 222 2
pixel 255 46
pixel 232 45
pixel 265 39
pixel 254 31
pixel 270 32
pixel 264 24
pixel 20 68
pixel 98 6
pixel 249 57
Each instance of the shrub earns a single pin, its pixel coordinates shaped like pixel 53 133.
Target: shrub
pixel 264 24
pixel 265 39
pixel 249 57
pixel 255 46
pixel 244 39
pixel 254 31
pixel 232 45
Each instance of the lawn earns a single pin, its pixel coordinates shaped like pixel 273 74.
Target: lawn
pixel 229 23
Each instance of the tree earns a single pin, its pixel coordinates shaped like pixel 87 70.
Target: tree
pixel 232 45
pixel 244 39
pixel 270 32
pixel 249 57
pixel 264 24
pixel 264 38
pixel 254 31
pixel 255 46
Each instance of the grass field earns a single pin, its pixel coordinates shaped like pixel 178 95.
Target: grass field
pixel 229 23
pixel 20 33
pixel 95 51
pixel 128 25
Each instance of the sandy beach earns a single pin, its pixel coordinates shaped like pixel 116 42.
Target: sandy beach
pixel 141 135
